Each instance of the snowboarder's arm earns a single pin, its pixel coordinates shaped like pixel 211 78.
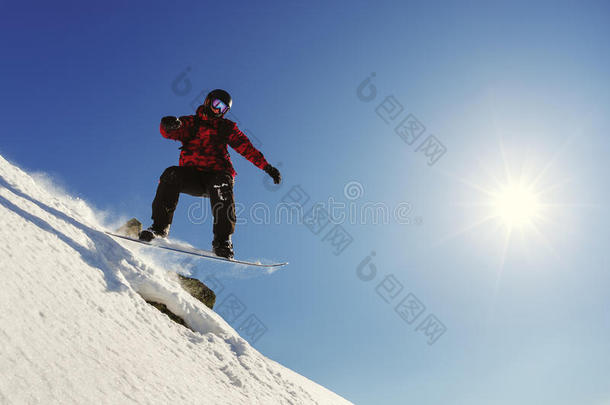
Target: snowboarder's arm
pixel 240 142
pixel 176 128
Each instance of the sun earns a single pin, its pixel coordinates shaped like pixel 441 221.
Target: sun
pixel 511 201
pixel 517 205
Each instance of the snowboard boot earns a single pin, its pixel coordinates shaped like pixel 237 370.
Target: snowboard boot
pixel 223 248
pixel 153 232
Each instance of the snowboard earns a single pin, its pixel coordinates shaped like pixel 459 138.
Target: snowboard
pixel 132 228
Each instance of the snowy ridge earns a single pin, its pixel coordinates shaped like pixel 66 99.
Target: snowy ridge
pixel 75 328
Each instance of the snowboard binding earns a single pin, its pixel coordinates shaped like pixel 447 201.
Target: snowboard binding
pixel 223 248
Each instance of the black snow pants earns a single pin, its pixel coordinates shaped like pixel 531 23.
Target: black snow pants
pixel 184 179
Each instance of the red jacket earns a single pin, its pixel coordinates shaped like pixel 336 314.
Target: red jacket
pixel 204 143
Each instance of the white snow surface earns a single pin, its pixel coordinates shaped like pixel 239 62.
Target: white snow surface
pixel 75 328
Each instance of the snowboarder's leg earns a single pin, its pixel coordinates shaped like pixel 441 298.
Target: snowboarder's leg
pixel 223 209
pixel 173 181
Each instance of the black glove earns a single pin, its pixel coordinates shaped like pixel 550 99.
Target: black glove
pixel 170 123
pixel 274 173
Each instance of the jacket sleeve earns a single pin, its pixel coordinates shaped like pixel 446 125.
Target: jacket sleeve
pixel 240 142
pixel 183 132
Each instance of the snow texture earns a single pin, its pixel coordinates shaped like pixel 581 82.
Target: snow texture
pixel 75 327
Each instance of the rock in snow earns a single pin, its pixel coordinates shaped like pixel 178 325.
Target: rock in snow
pixel 75 327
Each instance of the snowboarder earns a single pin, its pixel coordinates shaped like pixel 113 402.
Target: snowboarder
pixel 204 169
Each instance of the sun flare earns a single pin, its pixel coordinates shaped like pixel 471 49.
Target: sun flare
pixel 516 205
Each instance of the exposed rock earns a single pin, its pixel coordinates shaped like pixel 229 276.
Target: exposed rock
pixel 195 288
pixel 198 290
pixel 132 228
pixel 172 316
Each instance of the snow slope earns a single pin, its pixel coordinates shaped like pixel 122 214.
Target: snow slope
pixel 74 326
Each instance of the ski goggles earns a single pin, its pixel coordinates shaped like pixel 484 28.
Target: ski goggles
pixel 219 106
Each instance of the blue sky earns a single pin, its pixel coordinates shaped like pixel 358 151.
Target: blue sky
pixel 517 88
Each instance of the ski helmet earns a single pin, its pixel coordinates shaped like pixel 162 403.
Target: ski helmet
pixel 217 103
